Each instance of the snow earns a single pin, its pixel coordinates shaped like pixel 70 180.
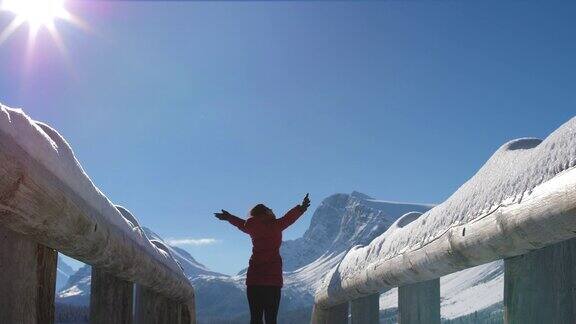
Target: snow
pixel 310 276
pixel 130 218
pixel 513 171
pixel 471 290
pixel 76 290
pixel 463 292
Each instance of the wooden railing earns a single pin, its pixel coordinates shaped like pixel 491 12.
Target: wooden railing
pixel 520 207
pixel 48 204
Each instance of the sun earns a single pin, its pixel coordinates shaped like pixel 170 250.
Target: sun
pixel 37 13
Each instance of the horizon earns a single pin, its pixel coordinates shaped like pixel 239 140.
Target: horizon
pixel 225 105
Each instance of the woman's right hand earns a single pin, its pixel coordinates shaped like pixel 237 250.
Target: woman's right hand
pixel 222 215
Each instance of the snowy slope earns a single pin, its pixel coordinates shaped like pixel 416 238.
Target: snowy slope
pixel 77 288
pixel 463 292
pixel 63 273
pixel 472 289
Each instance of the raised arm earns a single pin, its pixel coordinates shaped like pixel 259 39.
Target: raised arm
pixel 236 221
pixel 293 214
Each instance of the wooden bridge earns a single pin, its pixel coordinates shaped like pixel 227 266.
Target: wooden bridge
pixel 520 207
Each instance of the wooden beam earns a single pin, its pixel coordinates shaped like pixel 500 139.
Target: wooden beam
pixel 111 299
pixel 188 313
pixel 27 280
pixel 185 317
pixel 540 286
pixel 419 303
pixel 365 310
pixel 334 315
pixel 152 308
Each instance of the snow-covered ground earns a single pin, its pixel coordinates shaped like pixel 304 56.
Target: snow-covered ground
pixel 472 289
pixel 463 292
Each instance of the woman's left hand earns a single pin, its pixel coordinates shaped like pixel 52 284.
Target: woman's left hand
pixel 305 203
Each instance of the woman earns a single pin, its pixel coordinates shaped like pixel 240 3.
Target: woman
pixel 264 277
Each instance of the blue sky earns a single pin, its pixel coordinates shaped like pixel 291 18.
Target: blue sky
pixel 178 109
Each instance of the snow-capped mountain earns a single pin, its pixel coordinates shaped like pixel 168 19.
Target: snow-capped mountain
pixel 340 222
pixel 77 288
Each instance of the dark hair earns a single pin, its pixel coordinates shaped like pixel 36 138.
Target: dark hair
pixel 258 210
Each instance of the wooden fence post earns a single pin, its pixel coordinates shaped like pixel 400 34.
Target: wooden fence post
pixel 419 303
pixel 27 280
pixel 365 310
pixel 540 286
pixel 111 299
pixel 188 313
pixel 334 315
pixel 152 308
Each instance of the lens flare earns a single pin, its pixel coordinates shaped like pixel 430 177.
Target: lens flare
pixel 37 13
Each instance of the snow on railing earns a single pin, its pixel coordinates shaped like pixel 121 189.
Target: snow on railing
pixel 47 203
pixel 523 199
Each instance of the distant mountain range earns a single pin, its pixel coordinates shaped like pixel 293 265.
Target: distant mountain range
pixel 339 223
pixel 76 290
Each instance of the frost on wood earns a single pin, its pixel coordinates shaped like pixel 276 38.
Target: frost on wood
pixel 522 173
pixel 46 195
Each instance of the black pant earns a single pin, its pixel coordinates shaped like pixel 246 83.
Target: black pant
pixel 263 301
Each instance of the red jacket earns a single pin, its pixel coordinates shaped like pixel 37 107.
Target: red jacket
pixel 265 267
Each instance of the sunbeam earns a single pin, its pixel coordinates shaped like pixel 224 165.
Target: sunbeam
pixel 9 30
